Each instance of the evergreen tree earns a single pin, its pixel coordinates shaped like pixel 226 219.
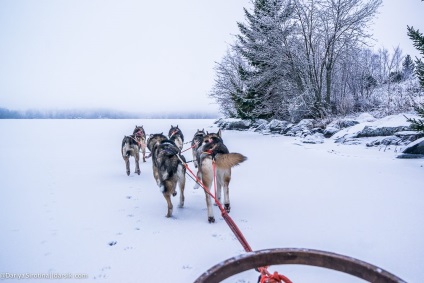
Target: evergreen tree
pixel 418 40
pixel 418 124
pixel 408 67
pixel 261 44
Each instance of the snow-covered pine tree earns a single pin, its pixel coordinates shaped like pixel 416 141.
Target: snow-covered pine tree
pixel 261 43
pixel 418 40
pixel 407 67
pixel 418 124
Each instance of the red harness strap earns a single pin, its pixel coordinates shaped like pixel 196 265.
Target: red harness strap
pixel 189 147
pixel 173 133
pixel 266 276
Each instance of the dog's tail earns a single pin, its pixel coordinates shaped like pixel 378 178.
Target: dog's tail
pixel 229 160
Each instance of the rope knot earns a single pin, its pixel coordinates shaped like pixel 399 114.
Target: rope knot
pixel 267 277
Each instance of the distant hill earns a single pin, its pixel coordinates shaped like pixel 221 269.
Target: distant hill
pixel 99 114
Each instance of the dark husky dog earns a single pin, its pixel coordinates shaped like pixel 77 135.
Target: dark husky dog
pixel 176 135
pixel 196 142
pixel 167 168
pixel 140 134
pixel 212 149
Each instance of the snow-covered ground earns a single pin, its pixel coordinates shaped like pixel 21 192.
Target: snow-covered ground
pixel 68 207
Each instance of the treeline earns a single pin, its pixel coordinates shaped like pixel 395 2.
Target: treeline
pixel 295 59
pixel 98 114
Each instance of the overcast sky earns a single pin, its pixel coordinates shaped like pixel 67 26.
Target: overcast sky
pixel 134 55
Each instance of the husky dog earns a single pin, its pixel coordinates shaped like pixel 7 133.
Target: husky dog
pixel 130 147
pixel 176 135
pixel 140 134
pixel 195 143
pixel 212 149
pixel 167 168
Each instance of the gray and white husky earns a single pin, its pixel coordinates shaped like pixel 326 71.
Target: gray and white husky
pixel 141 137
pixel 195 144
pixel 176 135
pixel 212 149
pixel 168 170
pixel 131 146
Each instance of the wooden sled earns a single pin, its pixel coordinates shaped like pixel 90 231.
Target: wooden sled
pixel 248 261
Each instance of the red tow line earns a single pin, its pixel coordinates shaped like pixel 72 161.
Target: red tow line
pixel 266 276
pixel 189 147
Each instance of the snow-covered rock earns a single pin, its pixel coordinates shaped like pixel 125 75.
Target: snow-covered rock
pixel 386 126
pixel 330 131
pixel 365 117
pixel 399 138
pixel 338 125
pixel 301 129
pixel 314 138
pixel 233 124
pixel 409 135
pixel 259 125
pixel 343 123
pixel 414 150
pixel 391 140
pixel 364 129
pixel 376 131
pixel 277 126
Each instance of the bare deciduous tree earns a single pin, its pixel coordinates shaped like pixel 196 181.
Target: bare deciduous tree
pixel 328 29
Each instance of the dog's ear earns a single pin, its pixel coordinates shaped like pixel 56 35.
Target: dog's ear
pixel 219 133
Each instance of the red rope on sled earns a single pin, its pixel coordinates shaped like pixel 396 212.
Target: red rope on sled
pixel 274 278
pixel 266 276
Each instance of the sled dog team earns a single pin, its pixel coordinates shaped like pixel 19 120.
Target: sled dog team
pixel 169 165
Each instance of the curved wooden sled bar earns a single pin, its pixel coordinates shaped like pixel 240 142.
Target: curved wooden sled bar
pixel 317 258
